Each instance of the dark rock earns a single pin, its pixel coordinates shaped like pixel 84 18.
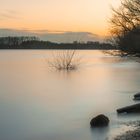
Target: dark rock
pixel 137 96
pixel 99 121
pixel 130 109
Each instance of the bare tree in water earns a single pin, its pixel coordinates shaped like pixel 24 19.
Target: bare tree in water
pixel 65 60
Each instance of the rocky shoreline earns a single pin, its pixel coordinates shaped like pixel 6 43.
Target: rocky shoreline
pixel 130 135
pixel 135 133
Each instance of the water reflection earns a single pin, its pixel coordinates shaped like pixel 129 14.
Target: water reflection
pixel 100 133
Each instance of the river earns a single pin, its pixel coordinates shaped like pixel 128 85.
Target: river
pixel 38 103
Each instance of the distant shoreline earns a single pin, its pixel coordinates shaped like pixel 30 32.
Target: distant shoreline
pixel 35 43
pixel 55 49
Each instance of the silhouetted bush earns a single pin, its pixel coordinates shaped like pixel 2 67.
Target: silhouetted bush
pixel 65 60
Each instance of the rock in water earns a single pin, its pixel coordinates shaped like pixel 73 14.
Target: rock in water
pixel 137 96
pixel 130 109
pixel 99 121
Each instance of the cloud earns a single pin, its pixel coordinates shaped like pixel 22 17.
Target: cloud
pixel 54 36
pixel 69 37
pixel 9 14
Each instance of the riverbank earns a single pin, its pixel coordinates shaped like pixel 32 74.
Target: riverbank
pixel 131 134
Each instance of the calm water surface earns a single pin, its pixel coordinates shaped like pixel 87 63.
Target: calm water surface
pixel 38 103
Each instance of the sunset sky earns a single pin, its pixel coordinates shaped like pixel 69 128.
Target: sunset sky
pixel 57 15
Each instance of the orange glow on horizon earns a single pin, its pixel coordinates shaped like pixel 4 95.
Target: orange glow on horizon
pixel 53 15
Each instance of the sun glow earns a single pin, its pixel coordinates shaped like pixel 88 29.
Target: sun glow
pixel 57 15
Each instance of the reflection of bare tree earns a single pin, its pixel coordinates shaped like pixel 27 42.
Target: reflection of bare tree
pixel 65 60
pixel 115 53
pixel 125 25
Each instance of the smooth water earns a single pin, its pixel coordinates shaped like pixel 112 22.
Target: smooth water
pixel 38 103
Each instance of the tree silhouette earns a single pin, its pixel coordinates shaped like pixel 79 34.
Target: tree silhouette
pixel 125 26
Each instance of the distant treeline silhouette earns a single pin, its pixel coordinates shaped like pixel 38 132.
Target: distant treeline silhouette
pixel 35 43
